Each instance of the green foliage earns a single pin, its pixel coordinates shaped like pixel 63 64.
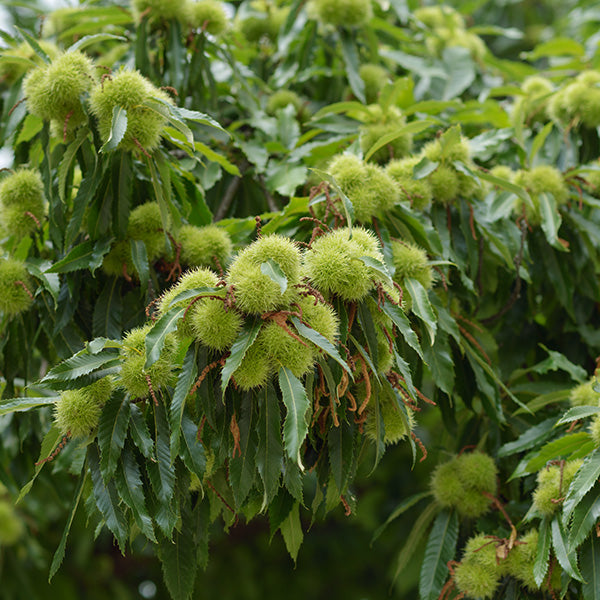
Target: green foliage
pixel 245 267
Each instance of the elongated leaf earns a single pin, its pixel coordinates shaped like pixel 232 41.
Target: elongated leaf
pixel 272 270
pixel 352 62
pixel 49 444
pixel 163 454
pixel 108 310
pixel 400 510
pixel 34 45
pixel 412 128
pixel 529 439
pixel 340 442
pixel 585 478
pixel 269 453
pixel 155 340
pixel 567 560
pixel 131 489
pixel 242 467
pixel 403 324
pixel 590 569
pixel 80 364
pixel 423 168
pixel 321 342
pixel 578 412
pixel 297 404
pixel 140 434
pixel 540 567
pixel 67 160
pixel 378 266
pixel 346 202
pixel 584 519
pixel 551 219
pixel 192 450
pixel 107 499
pixel 83 256
pixel 112 431
pixel 178 560
pixel 139 258
pixel 421 306
pixel 539 140
pixel 560 448
pixel 184 383
pixel 291 530
pixel 238 350
pixel 23 404
pixel 417 533
pixel 60 551
pixel 88 40
pixel 440 548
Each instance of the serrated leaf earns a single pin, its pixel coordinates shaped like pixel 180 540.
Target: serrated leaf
pixel 400 510
pixel 529 439
pixel 131 489
pixel 590 569
pixel 242 466
pixel 155 339
pixel 583 481
pixel 118 128
pixel 163 454
pixel 417 533
pixel 578 412
pixel 88 40
pixel 269 453
pixel 539 140
pixel 139 258
pixel 140 434
pixel 238 350
pixel 566 559
pixel 352 62
pixel 440 548
pixel 295 427
pixel 51 282
pixel 273 271
pixel 403 324
pixel 561 447
pixel 60 551
pixel 107 499
pixel 540 567
pixel 108 311
pixel 551 219
pixel 80 364
pixel 378 266
pixel 410 129
pixel 421 306
pixel 424 168
pixel 112 431
pixel 192 450
pixel 584 519
pixel 84 256
pixel 34 45
pixel 321 342
pixel 291 530
pixel 340 443
pixel 67 160
pixel 185 379
pixel 23 404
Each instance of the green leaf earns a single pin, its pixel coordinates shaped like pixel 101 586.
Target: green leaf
pixel 60 551
pixel 131 489
pixel 532 437
pixel 412 128
pixel 140 434
pixel 584 519
pixel 578 412
pixel 560 448
pixel 538 141
pixel 291 530
pixel 346 202
pixel 163 455
pixel 555 361
pixel 440 548
pixel 583 481
pixel 23 404
pixel 112 430
pixel 178 560
pixel 155 340
pixel 108 310
pixel 352 62
pixel 340 442
pixel 271 269
pixel 540 567
pixel 192 450
pixel 378 266
pixel 80 364
pixel 242 466
pixel 566 559
pixel 321 342
pixel 459 70
pixel 34 45
pixel 400 510
pixel 423 168
pixel 88 40
pixel 184 383
pixel 403 324
pixel 295 427
pixel 269 453
pixel 551 219
pixel 440 363
pixel 107 499
pixel 590 569
pixel 417 533
pixel 238 350
pixel 421 306
pixel 67 160
pixel 84 256
pixel 139 258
